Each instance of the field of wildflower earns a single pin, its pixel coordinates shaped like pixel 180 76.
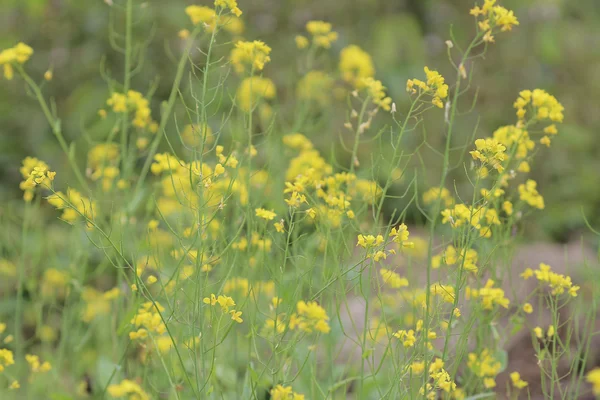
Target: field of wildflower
pixel 289 232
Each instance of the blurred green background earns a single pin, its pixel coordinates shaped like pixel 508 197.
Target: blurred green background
pixel 556 47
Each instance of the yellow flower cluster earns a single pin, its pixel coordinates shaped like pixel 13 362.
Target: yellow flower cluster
pixel 435 87
pixel 431 196
pixel 224 302
pixel 392 279
pixel 73 205
pixel 376 92
pixel 17 54
pixel 441 381
pixel 485 366
pixel 309 317
pixel 593 377
pixel 208 17
pixel 559 283
pixel 54 283
pixel 451 256
pixel 400 235
pixel 407 337
pixel 133 102
pixel 250 56
pixel 36 365
pixel 529 194
pixel 281 392
pixel 265 214
pixel 488 295
pixel 229 4
pixel 355 64
pixel 6 359
pixel 511 136
pixel 516 380
pixel 545 106
pixel 252 90
pixel 128 388
pixel 481 218
pixel 493 16
pixel 97 303
pixel 321 33
pixel 490 152
pixel 195 135
pixel 34 172
pixel 369 241
pixel 146 320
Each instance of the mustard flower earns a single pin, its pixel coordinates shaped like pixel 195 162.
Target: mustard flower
pixel 407 338
pixel 593 377
pixel 252 89
pixel 494 16
pixel 355 64
pixel 435 86
pixel 431 195
pixel 322 34
pixel 35 365
pixel 529 194
pixel 201 14
pixel 281 392
pixel 127 388
pixel 488 295
pixel 543 105
pixel 376 92
pixel 265 214
pixel 393 279
pixel 309 316
pixel 368 241
pixel 18 54
pixel 6 359
pixel 251 56
pixel 490 152
pixel 229 4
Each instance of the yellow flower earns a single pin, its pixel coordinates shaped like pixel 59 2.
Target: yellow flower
pixel 321 32
pixel 235 315
pixel 231 5
pixel 266 214
pixel 369 241
pixel 301 42
pixel 593 377
pixel 392 278
pixel 355 64
pixel 544 105
pixel 309 316
pixel 201 14
pixel 17 54
pixel 488 295
pixel 251 90
pixel 528 308
pixel 435 87
pixel 250 55
pixel 407 337
pixel 14 385
pixel 6 359
pixel 491 152
pixel 35 365
pixel 376 92
pixel 127 388
pixel 280 392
